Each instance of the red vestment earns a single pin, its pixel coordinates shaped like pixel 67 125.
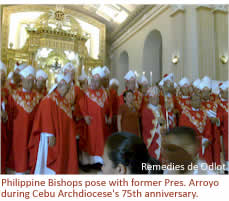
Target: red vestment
pixel 114 103
pixel 199 121
pixel 95 104
pixel 181 103
pixel 169 113
pixel 214 97
pixel 222 114
pixel 22 108
pixel 73 96
pixel 54 116
pixel 108 128
pixel 4 142
pixel 11 86
pixel 145 101
pixel 44 92
pixel 209 105
pixel 151 129
pixel 78 117
pixel 216 147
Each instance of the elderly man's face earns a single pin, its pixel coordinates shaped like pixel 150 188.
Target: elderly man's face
pixel 185 90
pixel 196 91
pixel 95 82
pixel 168 86
pixel 106 82
pixel 40 83
pixel 131 84
pixel 83 84
pixel 144 88
pixel 28 82
pixel 63 88
pixel 224 93
pixel 154 100
pixel 195 101
pixel 115 87
pixel 70 72
pixel 16 77
pixel 3 77
pixel 206 93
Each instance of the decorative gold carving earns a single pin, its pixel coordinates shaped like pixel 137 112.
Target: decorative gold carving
pixel 59 15
pixel 44 36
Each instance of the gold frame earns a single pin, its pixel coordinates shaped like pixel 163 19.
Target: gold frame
pixel 8 10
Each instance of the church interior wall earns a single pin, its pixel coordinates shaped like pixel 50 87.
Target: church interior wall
pixel 182 36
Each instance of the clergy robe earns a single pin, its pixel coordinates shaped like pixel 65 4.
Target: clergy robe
pixel 53 118
pixel 73 96
pixel 22 108
pixel 43 92
pixel 114 104
pixel 216 147
pixel 171 117
pixel 182 102
pixel 214 97
pixel 137 99
pixel 108 129
pixel 95 105
pixel 151 129
pixel 4 142
pixel 11 86
pixel 222 114
pixel 199 121
pixel 145 101
pixel 79 120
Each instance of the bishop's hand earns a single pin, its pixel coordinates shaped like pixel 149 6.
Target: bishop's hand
pixel 162 121
pixel 168 106
pixel 87 120
pixel 52 141
pixel 214 120
pixel 108 120
pixel 4 116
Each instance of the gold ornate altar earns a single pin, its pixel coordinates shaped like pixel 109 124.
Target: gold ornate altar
pixel 65 42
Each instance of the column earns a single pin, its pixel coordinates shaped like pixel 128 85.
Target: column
pixel 178 35
pixel 191 64
pixel 206 41
pixel 221 40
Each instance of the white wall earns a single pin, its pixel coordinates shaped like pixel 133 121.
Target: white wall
pixel 123 64
pixel 180 30
pixel 152 56
pixel 134 46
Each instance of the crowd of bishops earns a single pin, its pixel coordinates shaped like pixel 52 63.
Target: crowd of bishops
pixel 65 129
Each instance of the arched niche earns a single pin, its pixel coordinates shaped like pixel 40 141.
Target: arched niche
pixel 122 69
pixel 152 56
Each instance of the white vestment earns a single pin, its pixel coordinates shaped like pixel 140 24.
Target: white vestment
pixel 41 165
